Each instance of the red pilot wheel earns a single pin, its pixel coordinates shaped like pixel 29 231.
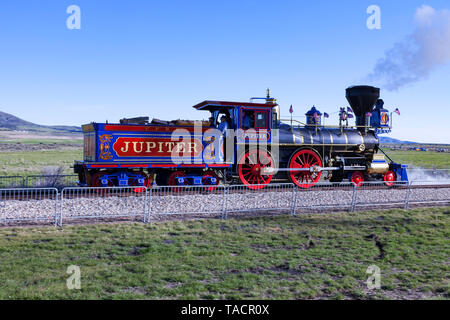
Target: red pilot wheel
pixel 304 159
pixel 135 181
pixel 250 168
pixel 357 178
pixel 209 174
pixel 389 178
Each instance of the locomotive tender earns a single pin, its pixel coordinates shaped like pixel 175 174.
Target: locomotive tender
pixel 256 149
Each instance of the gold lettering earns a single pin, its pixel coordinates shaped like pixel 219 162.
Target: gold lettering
pixel 180 147
pixel 160 144
pixel 150 145
pixel 192 146
pixel 134 146
pixel 170 145
pixel 125 149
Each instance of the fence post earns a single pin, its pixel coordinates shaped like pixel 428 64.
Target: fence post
pixel 61 200
pixel 148 195
pixel 224 203
pixel 56 206
pixel 408 191
pixel 294 199
pixel 353 204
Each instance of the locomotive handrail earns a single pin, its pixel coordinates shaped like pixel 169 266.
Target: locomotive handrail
pixel 324 126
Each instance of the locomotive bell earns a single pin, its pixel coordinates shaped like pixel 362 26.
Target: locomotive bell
pixel 361 100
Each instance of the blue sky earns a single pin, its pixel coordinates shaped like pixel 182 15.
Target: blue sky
pixel 159 58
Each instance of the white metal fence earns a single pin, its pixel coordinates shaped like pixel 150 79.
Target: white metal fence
pixel 147 205
pixel 279 197
pixel 324 196
pixel 100 203
pixel 18 205
pixel 205 200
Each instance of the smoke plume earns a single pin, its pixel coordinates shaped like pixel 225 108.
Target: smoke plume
pixel 414 58
pixel 429 176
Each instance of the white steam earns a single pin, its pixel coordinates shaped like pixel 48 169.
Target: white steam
pixel 429 176
pixel 414 58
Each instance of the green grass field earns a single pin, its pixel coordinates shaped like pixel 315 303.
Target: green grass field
pixel 32 162
pixel 281 257
pixel 423 159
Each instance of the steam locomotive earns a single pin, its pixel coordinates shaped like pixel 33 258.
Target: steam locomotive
pixel 255 149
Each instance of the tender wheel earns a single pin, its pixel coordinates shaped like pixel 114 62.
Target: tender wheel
pixel 172 180
pixel 305 159
pixel 209 174
pixel 134 182
pixel 250 168
pixel 389 178
pixel 96 182
pixel 357 178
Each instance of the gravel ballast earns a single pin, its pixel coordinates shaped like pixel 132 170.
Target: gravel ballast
pixel 208 203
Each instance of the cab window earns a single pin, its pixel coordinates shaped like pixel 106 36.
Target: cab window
pixel 261 120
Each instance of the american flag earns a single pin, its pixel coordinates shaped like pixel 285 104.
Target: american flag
pixel 290 109
pixel 315 115
pixel 397 111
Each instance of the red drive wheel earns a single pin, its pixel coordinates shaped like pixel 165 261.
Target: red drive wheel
pixel 209 174
pixel 304 159
pixel 389 178
pixel 135 182
pixel 250 168
pixel 357 178
pixel 172 180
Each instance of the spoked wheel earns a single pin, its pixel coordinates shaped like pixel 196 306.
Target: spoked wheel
pixel 134 182
pixel 172 180
pixel 209 174
pixel 389 178
pixel 304 159
pixel 250 168
pixel 357 178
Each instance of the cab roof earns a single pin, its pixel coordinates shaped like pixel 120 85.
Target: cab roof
pixel 209 104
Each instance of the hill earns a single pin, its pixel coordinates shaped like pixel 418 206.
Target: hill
pixel 10 122
pixel 387 140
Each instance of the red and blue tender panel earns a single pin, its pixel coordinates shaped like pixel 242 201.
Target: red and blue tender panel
pixel 152 146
